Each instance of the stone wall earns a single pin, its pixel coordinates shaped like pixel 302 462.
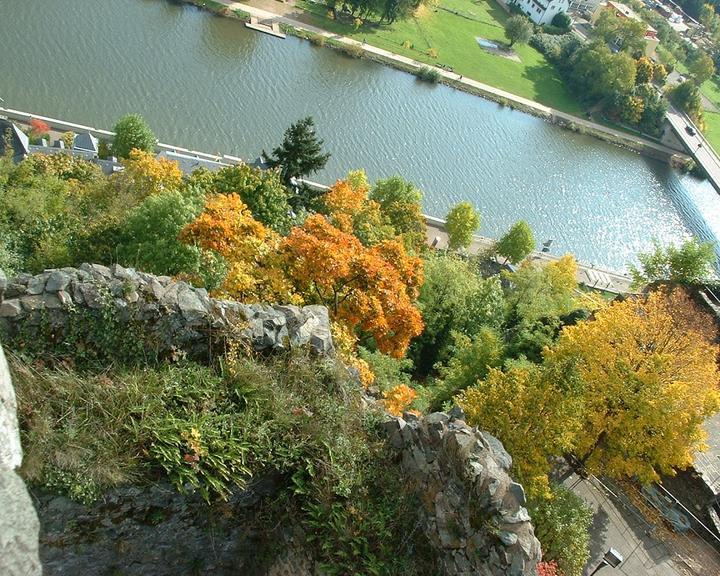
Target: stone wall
pixel 177 316
pixel 472 512
pixel 155 530
pixel 18 520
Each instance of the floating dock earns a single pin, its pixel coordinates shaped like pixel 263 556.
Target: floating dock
pixel 273 29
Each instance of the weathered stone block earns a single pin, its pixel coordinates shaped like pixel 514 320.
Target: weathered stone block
pixel 10 308
pixel 58 280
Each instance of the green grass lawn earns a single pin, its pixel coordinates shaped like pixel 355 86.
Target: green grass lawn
pixel 712 129
pixel 453 37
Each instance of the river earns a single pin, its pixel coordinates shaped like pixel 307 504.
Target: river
pixel 208 83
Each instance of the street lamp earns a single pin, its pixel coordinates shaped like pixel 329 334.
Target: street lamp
pixel 612 558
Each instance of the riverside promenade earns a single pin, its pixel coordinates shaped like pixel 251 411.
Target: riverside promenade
pixel 586 275
pixel 436 235
pixel 269 11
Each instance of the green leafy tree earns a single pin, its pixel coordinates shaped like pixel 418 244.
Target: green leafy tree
pixel 150 240
pixel 709 18
pixel 471 362
pixel 399 202
pixel 517 242
pixel 702 68
pixel 562 20
pixel 686 96
pixel 461 223
pixel 654 109
pixel 518 29
pixel 454 299
pixel 132 132
pixel 627 33
pixel 540 301
pixel 689 263
pixel 301 153
pixel 261 190
pixel 597 73
pixel 562 524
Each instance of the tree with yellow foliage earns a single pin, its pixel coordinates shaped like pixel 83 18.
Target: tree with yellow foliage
pixel 144 174
pixel 255 273
pixel 649 375
pixel 533 411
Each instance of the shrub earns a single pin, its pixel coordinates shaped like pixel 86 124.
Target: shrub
pixel 562 524
pixel 353 50
pixel 433 53
pixel 398 398
pixel 317 39
pixel 428 74
pixel 38 128
pixel 68 138
pixel 388 371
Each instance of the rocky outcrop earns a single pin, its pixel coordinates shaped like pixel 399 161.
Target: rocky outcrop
pixel 18 521
pixel 174 316
pixel 143 530
pixel 472 512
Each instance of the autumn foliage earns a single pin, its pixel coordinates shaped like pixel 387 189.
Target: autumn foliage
pixel 144 174
pixel 549 569
pixel 227 227
pixel 398 398
pixel 372 289
pixel 38 128
pixel 649 374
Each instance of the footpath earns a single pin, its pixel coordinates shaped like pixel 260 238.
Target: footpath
pixel 587 275
pixel 268 11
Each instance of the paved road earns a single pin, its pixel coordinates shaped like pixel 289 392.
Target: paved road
pixel 696 143
pixel 619 528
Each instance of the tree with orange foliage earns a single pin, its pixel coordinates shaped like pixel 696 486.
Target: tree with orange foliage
pixel 39 128
pixel 372 289
pixel 350 210
pixel 255 274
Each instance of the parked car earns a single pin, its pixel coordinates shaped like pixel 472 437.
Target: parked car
pixel 690 130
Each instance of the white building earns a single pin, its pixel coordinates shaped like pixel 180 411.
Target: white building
pixel 543 11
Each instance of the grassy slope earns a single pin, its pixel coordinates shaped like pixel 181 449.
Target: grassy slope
pixel 453 37
pixel 712 131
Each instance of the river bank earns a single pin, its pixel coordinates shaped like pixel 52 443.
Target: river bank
pixel 356 49
pixel 436 236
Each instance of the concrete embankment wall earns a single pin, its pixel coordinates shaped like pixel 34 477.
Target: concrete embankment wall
pixel 63 125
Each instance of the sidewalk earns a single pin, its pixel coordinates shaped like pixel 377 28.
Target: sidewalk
pixel 586 275
pixel 293 16
pixel 628 533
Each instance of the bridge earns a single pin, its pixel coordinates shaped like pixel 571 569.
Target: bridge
pixel 696 144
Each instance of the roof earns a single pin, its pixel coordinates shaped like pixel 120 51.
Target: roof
pixel 86 141
pixel 188 164
pixel 707 464
pixel 630 13
pixel 109 166
pixel 19 141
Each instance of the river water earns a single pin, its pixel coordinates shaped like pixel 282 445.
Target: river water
pixel 208 83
